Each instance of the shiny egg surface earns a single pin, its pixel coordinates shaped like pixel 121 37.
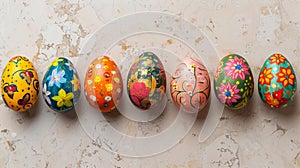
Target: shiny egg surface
pixel 19 84
pixel 146 82
pixel 277 82
pixel 61 85
pixel 103 84
pixel 190 85
pixel 233 82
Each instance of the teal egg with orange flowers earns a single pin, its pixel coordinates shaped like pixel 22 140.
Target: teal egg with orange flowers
pixel 233 82
pixel 146 83
pixel 61 85
pixel 277 82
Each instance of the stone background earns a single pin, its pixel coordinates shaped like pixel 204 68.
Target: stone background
pixel 255 137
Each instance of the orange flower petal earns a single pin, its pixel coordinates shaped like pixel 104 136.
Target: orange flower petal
pixel 291 81
pixel 269 76
pixel 267 80
pixel 281 74
pixel 285 83
pixel 281 79
pixel 283 70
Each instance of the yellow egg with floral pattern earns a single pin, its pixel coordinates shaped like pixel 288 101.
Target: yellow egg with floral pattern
pixel 19 84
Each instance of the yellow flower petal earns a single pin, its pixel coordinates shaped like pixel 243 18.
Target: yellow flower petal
pixel 289 71
pixel 285 83
pixel 60 103
pixel 62 93
pixel 68 103
pixel 56 98
pixel 292 76
pixel 268 71
pixel 76 83
pixel 291 81
pixel 69 96
pixel 281 74
pixel 283 71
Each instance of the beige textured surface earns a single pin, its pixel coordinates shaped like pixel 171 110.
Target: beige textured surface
pixel 255 137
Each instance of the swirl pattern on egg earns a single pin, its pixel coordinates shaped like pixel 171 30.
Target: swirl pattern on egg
pixel 190 85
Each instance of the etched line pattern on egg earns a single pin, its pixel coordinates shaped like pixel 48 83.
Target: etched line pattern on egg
pixel 277 82
pixel 20 84
pixel 146 83
pixel 190 85
pixel 233 82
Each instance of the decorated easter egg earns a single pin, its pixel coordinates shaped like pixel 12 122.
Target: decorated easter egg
pixel 233 82
pixel 146 83
pixel 19 84
pixel 61 85
pixel 103 84
pixel 190 85
pixel 277 82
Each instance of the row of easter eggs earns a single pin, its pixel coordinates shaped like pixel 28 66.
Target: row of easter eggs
pixel 146 83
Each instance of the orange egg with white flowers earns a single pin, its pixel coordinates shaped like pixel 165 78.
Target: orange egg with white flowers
pixel 103 84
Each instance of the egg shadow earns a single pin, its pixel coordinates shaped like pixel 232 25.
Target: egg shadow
pixel 202 114
pixel 113 118
pixel 70 115
pixel 113 115
pixel 244 114
pixel 34 111
pixel 246 111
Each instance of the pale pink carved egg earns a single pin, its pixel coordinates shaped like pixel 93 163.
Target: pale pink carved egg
pixel 190 85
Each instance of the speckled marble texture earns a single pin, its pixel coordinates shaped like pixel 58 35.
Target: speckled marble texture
pixel 254 137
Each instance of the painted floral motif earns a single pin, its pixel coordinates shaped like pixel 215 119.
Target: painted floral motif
pixel 76 83
pixel 228 93
pixel 286 77
pixel 46 94
pixel 61 85
pixel 59 60
pixel 276 98
pixel 57 78
pixel 146 82
pixel 236 68
pixel 277 81
pixel 266 76
pixel 63 98
pixel 277 58
pixel 233 82
pixel 139 92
